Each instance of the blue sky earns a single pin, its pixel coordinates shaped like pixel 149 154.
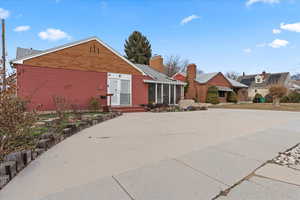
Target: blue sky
pixel 218 35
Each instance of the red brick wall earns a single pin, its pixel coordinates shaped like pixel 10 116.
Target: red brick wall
pixel 40 84
pixel 139 90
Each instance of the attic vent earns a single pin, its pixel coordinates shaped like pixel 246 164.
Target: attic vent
pixel 94 50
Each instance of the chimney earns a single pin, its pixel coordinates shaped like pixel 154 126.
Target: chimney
pixel 191 76
pixel 156 62
pixel 264 74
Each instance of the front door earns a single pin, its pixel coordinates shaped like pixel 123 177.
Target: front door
pixel 119 85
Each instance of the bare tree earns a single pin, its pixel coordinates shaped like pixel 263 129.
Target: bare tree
pixel 232 75
pixel 174 64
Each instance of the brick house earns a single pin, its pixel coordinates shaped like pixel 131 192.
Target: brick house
pixel 90 68
pixel 198 85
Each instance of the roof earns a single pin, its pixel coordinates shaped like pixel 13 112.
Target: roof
pixel 270 79
pixel 36 53
pixel 22 52
pixel 222 88
pixel 157 76
pixel 205 77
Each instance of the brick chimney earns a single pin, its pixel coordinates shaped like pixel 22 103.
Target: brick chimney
pixel 156 62
pixel 264 75
pixel 191 76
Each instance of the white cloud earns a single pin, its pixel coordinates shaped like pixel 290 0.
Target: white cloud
pixel 4 13
pixel 291 27
pixel 188 19
pixel 21 28
pixel 277 43
pixel 53 34
pixel 276 31
pixel 250 2
pixel 261 45
pixel 248 50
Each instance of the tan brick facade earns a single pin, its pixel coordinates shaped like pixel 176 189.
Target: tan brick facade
pixel 89 56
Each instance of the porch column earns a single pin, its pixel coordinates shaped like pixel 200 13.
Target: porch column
pixel 155 92
pixel 162 93
pixel 175 94
pixel 169 93
pixel 182 92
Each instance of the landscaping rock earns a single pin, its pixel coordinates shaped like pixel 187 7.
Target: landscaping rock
pixel 94 122
pixel 34 155
pixel 48 136
pixel 9 168
pixel 67 132
pixel 26 156
pixel 17 157
pixel 3 181
pixel 44 143
pixel 39 151
pixel 290 157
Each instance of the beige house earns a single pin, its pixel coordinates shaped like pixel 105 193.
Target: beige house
pixel 260 83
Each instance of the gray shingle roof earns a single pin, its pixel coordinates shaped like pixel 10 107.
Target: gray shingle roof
pixel 22 52
pixel 205 77
pixel 270 79
pixel 156 75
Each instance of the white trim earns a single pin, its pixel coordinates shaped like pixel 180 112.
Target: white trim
pixel 169 94
pixel 165 82
pixel 21 60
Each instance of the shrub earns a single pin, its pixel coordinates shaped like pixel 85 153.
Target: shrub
pixel 277 92
pixel 257 98
pixel 231 97
pixel 15 121
pixel 285 99
pixel 61 107
pixel 94 104
pixel 212 95
pixel 294 97
pixel 268 98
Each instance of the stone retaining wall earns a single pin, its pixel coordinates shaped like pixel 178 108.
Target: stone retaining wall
pixel 16 161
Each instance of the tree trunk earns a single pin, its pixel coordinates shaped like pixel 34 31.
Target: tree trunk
pixel 276 101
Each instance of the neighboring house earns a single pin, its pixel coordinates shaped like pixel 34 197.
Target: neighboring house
pixel 260 83
pixel 90 68
pixel 198 84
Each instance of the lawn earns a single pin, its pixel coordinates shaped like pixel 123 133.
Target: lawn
pixel 261 106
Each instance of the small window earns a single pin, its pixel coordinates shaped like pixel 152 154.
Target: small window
pixel 221 93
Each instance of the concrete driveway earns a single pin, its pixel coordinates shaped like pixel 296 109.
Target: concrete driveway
pixel 160 156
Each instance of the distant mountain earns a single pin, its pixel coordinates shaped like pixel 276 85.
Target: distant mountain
pixel 296 77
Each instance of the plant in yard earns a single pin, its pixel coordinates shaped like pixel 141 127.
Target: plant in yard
pixel 61 108
pixel 94 104
pixel 285 99
pixel 294 97
pixel 232 97
pixel 16 123
pixel 268 98
pixel 277 92
pixel 257 98
pixel 138 48
pixel 212 95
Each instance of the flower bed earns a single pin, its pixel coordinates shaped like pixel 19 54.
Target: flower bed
pixel 32 147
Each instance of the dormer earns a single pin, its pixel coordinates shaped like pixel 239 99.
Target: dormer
pixel 259 79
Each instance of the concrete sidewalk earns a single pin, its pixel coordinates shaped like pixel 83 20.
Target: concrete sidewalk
pixel 191 155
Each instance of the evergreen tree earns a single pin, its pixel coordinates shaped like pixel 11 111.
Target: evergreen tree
pixel 138 48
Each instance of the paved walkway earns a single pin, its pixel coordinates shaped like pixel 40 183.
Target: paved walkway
pixel 150 156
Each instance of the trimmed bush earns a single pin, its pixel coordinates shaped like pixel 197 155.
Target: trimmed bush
pixel 212 95
pixel 268 98
pixel 294 97
pixel 94 104
pixel 285 99
pixel 257 98
pixel 231 97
